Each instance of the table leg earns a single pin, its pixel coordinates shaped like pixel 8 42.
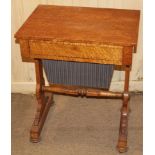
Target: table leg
pixel 122 141
pixel 43 104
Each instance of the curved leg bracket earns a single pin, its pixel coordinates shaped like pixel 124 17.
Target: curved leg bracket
pixel 40 118
pixel 43 104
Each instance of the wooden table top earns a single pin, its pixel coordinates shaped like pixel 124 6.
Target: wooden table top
pixel 82 25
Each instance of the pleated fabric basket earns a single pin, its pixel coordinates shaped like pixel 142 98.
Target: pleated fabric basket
pixel 78 74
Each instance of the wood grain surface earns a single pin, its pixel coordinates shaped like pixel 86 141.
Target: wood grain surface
pixel 104 54
pixel 82 24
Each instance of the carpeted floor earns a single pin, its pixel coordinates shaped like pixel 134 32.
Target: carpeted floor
pixel 75 126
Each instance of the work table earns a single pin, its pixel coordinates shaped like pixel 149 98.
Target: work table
pixel 82 37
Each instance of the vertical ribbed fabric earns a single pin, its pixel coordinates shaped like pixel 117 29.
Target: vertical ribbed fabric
pixel 78 74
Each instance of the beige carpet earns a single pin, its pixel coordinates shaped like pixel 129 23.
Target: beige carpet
pixel 75 126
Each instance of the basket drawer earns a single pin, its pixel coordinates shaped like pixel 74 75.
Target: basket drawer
pixel 78 73
pixel 106 54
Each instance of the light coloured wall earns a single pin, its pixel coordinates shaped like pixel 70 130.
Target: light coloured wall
pixel 23 77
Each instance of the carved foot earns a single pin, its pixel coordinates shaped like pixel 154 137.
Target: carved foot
pixel 34 137
pixel 122 146
pixel 123 131
pixel 122 141
pixel 39 123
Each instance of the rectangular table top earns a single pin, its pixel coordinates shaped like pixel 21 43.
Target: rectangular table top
pixel 82 25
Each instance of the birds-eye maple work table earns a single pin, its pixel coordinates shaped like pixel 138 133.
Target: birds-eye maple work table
pixel 79 47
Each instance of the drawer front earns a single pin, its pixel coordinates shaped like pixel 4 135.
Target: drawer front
pixel 76 52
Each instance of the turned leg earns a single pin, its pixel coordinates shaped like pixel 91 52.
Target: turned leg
pixel 123 131
pixel 43 104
